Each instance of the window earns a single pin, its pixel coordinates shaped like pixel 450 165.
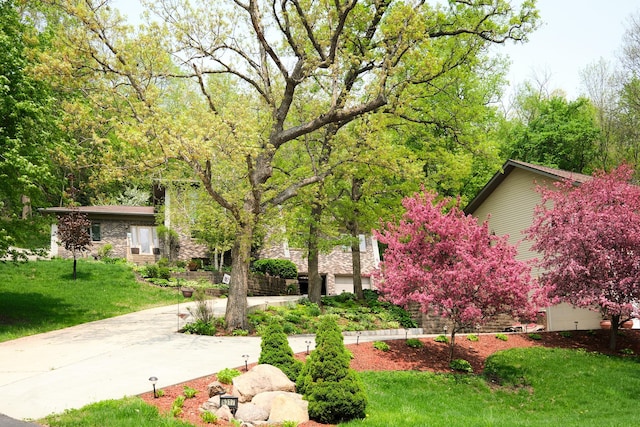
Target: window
pixel 95 232
pixel 363 243
pixel 144 238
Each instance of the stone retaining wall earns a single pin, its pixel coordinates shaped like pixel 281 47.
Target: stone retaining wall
pixel 259 285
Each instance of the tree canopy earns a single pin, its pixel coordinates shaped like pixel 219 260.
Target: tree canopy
pixel 589 238
pixel 452 266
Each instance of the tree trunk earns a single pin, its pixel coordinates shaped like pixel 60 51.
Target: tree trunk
pixel 236 313
pixel 352 226
pixel 453 343
pixel 615 324
pixel 315 281
pixel 355 264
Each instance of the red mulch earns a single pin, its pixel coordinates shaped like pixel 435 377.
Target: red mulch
pixel 432 356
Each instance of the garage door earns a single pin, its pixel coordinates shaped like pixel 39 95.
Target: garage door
pixel 345 284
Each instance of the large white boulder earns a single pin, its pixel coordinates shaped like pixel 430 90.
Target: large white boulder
pixel 286 407
pixel 260 379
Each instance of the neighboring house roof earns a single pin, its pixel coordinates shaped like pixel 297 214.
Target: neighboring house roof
pixel 107 210
pixel 510 165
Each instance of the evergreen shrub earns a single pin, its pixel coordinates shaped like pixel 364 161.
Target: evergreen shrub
pixel 334 390
pixel 276 351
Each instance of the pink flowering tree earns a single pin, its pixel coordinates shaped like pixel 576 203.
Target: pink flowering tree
pixel 589 238
pixel 452 266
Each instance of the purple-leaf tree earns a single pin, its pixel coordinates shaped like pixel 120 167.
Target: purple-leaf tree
pixel 73 233
pixel 589 238
pixel 452 266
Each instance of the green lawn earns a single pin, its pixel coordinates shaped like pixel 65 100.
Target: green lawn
pixel 526 387
pixel 41 296
pixel 127 412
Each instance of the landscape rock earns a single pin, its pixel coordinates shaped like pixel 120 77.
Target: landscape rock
pixel 224 413
pixel 289 408
pixel 216 388
pixel 265 399
pixel 248 412
pixel 259 379
pixel 211 405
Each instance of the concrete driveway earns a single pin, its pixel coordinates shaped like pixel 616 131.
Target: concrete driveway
pixel 113 358
pixel 109 359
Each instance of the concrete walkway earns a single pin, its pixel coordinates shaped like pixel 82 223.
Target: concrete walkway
pixel 109 359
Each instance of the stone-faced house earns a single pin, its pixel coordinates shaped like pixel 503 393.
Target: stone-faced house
pixel 335 267
pixel 132 232
pixel 508 200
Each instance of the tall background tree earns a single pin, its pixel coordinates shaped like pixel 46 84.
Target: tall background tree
pixel 552 132
pixel 589 238
pixel 213 84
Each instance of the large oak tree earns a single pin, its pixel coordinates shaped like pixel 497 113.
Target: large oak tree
pixel 213 83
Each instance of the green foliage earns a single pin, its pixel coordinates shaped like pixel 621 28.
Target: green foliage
pixel 627 351
pixel 441 338
pixel 227 375
pixel 414 343
pixel 32 233
pixel 164 273
pixel 461 365
pixel 240 333
pixel 289 424
pixel 283 268
pixel 473 337
pixel 178 402
pixel 502 337
pixel 105 250
pixel 332 388
pixel 276 351
pixel 149 271
pixel 381 345
pixel 160 392
pixel 565 334
pixel 560 134
pixel 199 327
pixel 209 417
pixel 190 392
pixel 535 337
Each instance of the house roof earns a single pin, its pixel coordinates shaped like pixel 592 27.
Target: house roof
pixel 510 165
pixel 106 210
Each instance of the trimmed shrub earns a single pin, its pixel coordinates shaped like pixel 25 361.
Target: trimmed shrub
pixel 334 390
pixel 381 345
pixel 414 343
pixel 441 338
pixel 276 267
pixel 276 351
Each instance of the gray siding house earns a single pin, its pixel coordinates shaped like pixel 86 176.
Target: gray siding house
pixel 508 201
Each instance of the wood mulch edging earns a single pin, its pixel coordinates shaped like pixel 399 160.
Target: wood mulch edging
pixel 433 356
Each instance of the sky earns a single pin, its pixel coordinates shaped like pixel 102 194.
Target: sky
pixel 573 35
